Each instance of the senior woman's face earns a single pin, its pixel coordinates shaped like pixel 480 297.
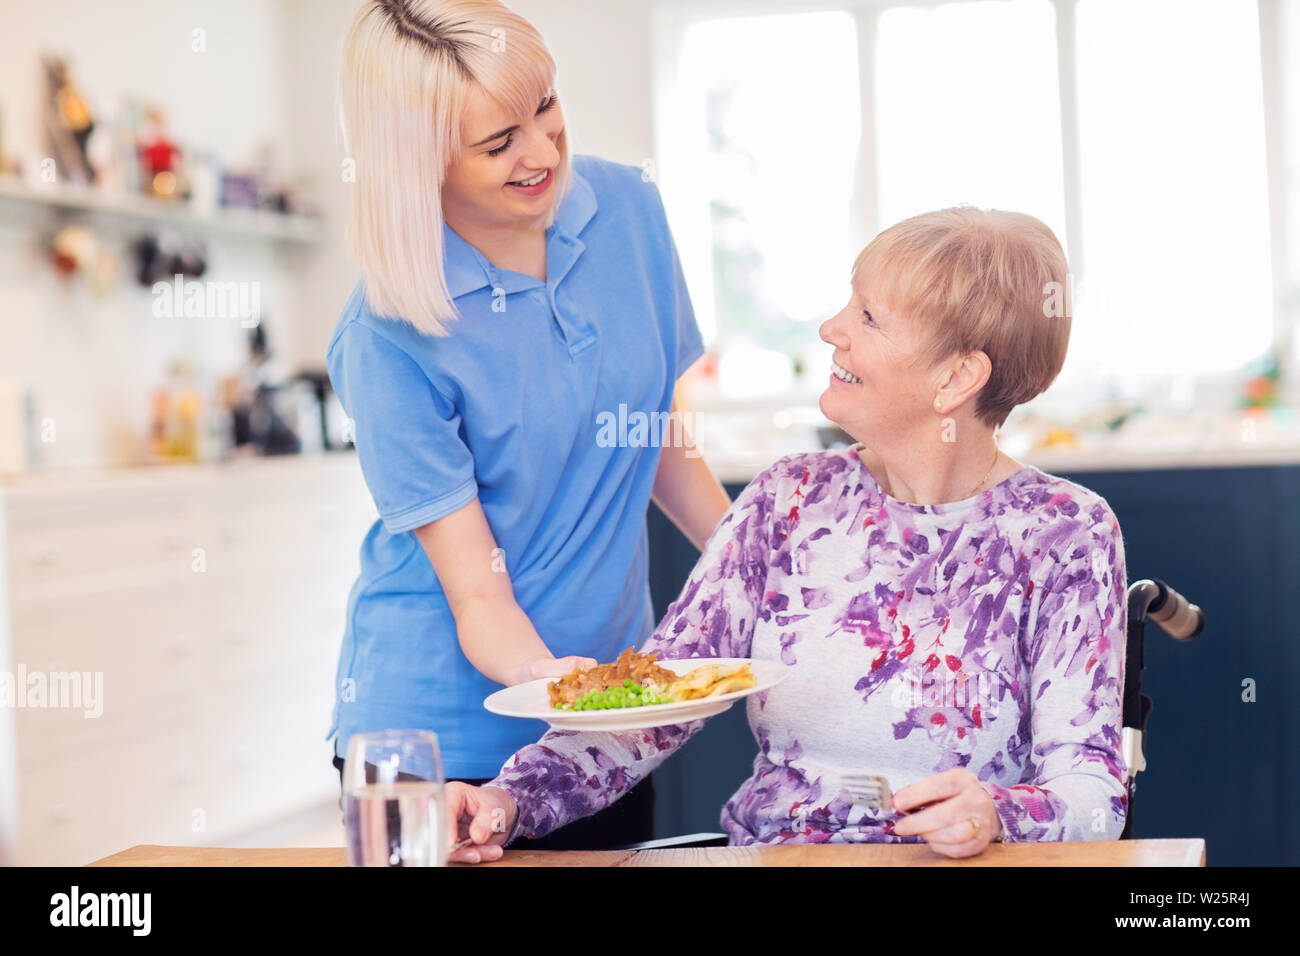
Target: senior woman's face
pixel 506 172
pixel 885 394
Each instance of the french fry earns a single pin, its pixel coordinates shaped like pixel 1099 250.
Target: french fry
pixel 710 680
pixel 739 681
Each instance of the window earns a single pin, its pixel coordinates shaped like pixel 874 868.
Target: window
pixel 1175 218
pixel 967 110
pixel 1133 128
pixel 775 125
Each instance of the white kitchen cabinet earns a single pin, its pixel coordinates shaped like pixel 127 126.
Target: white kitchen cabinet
pixel 211 601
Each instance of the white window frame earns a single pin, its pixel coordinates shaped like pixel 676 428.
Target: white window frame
pixel 672 18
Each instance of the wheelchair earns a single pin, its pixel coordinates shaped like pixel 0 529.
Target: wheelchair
pixel 1181 620
pixel 1148 600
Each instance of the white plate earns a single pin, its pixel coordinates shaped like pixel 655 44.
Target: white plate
pixel 532 700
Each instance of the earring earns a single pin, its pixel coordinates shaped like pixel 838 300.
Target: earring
pixel 938 406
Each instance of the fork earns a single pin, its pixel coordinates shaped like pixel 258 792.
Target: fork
pixel 869 789
pixel 872 790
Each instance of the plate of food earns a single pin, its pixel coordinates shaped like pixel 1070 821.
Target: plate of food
pixel 637 691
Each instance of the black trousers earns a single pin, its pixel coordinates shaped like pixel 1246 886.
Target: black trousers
pixel 629 820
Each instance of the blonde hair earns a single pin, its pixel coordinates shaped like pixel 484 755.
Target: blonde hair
pixel 407 68
pixel 977 280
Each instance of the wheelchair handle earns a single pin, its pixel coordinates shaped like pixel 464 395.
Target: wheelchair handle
pixel 1178 617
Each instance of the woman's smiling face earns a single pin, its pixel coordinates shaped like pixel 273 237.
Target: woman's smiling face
pixel 482 187
pixel 891 392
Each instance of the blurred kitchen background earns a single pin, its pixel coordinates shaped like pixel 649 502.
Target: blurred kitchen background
pixel 181 512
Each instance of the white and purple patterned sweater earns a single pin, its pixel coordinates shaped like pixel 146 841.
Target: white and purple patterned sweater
pixel 986 633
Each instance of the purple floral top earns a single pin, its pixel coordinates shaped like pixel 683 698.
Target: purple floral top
pixel 986 633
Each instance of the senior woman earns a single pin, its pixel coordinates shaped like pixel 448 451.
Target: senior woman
pixel 952 619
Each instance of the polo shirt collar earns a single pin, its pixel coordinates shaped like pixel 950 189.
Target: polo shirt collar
pixel 468 270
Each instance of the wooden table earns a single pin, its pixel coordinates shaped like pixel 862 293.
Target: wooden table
pixel 1090 853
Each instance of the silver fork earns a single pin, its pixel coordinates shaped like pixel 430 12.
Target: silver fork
pixel 868 789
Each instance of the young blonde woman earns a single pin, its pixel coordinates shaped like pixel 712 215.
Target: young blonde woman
pixel 510 302
pixel 952 619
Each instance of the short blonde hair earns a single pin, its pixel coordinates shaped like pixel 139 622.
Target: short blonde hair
pixel 407 68
pixel 978 279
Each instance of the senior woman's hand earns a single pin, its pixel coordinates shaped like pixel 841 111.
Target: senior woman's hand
pixel 483 815
pixel 951 800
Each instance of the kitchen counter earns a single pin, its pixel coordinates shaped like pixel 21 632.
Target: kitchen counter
pixel 737 446
pixel 172 473
pixel 736 467
pixel 736 450
pixel 191 615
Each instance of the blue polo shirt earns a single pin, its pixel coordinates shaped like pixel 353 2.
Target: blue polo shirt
pixel 521 406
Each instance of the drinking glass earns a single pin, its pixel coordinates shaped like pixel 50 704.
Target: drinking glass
pixel 394 806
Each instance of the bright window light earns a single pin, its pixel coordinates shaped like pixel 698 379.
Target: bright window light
pixel 967 110
pixel 774 182
pixel 779 98
pixel 1177 276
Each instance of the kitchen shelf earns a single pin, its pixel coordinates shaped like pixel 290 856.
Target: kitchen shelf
pixel 15 193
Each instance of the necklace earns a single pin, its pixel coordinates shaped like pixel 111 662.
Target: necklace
pixel 996 455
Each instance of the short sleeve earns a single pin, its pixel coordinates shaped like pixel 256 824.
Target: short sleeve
pixel 685 330
pixel 408 435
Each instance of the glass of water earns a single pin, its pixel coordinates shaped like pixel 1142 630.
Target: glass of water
pixel 394 810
